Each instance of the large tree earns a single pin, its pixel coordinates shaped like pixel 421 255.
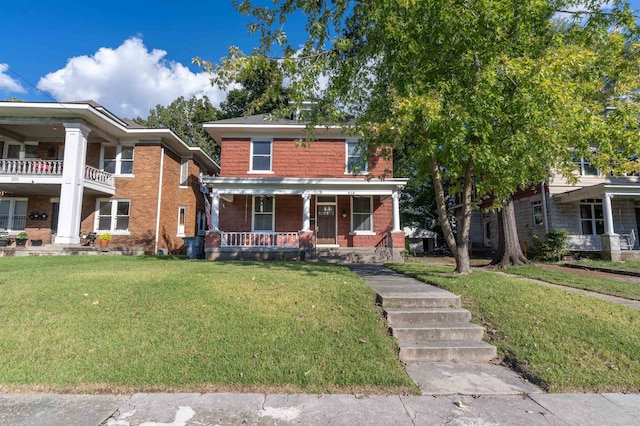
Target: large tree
pixel 495 95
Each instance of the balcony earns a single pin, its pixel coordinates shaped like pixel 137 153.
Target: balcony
pixel 21 175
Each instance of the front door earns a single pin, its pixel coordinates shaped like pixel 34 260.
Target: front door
pixel 326 224
pixel 637 226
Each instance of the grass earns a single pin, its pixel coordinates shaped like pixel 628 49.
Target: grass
pixel 562 341
pixel 571 279
pixel 127 324
pixel 627 265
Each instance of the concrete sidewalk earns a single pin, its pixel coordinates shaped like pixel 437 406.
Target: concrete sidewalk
pixel 258 409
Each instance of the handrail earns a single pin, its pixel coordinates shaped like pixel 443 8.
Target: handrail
pixel 31 167
pixel 260 239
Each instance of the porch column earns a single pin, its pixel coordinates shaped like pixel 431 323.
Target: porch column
pixel 215 211
pixel 396 211
pixel 610 240
pixel 608 214
pixel 71 192
pixel 306 212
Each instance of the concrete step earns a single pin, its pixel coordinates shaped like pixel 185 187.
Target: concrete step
pixel 405 316
pixel 448 351
pixel 418 300
pixel 418 333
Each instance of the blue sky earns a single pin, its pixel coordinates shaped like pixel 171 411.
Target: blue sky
pixel 129 56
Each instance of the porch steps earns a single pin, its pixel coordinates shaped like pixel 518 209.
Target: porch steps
pixel 354 255
pixel 427 322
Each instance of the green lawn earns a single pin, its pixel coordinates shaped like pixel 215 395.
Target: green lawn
pixel 627 265
pixel 123 324
pixel 571 279
pixel 563 341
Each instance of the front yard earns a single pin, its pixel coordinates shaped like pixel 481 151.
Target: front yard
pixel 125 324
pixel 562 341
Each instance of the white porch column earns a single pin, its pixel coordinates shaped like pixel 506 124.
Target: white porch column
pixel 608 214
pixel 75 152
pixel 215 211
pixel 306 211
pixel 396 211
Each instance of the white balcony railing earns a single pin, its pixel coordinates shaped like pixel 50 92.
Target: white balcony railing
pixel 51 168
pixel 260 239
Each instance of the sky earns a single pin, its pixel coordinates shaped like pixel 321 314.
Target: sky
pixel 128 56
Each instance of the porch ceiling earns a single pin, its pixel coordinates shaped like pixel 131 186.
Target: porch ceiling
pixel 21 189
pixel 599 191
pixel 296 186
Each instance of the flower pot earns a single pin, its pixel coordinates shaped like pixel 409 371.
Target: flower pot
pixel 104 243
pixel 36 243
pixel 21 242
pixel 4 243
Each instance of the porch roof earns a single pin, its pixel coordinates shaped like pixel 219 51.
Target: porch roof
pixel 599 191
pixel 299 186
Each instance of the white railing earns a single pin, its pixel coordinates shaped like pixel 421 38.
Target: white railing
pixel 31 167
pixel 260 239
pixel 97 175
pixel 628 241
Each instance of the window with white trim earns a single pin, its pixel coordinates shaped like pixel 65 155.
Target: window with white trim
pixel 361 214
pixel 184 172
pixel 263 209
pixel 591 217
pixel 112 215
pixel 585 168
pixel 182 219
pixel 261 156
pixel 355 164
pixel 536 211
pixel 13 214
pixel 117 159
pixel 201 222
pixel 20 151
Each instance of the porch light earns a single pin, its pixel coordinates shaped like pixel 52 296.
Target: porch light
pixel 344 213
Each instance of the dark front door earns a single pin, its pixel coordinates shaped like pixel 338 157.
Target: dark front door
pixel 55 209
pixel 326 224
pixel 637 226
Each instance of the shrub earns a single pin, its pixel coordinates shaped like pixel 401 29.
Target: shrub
pixel 554 246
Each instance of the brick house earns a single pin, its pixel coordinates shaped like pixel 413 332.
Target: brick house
pixel 73 168
pixel 275 198
pixel 601 214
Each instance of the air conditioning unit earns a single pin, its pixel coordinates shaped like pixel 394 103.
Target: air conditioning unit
pixel 163 252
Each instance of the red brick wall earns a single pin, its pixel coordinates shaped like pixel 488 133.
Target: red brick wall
pixel 323 158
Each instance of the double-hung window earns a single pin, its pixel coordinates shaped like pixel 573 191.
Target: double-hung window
pixel 263 209
pixel 536 209
pixel 182 220
pixel 261 156
pixel 117 159
pixel 585 168
pixel 184 172
pixel 361 214
pixel 591 217
pixel 13 214
pixel 113 216
pixel 355 163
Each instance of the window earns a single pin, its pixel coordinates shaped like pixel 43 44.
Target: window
pixel 263 208
pixel 355 163
pixel 13 214
pixel 261 156
pixel 361 214
pixel 536 209
pixel 113 216
pixel 184 173
pixel 591 217
pixel 201 222
pixel 19 151
pixel 585 168
pixel 30 151
pixel 117 159
pixel 182 219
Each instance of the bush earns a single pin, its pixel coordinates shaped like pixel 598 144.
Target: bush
pixel 554 246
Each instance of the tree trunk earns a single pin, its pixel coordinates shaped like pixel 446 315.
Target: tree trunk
pixel 509 252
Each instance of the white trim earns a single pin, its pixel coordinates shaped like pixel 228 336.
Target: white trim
pixel 111 230
pixel 535 204
pixel 273 215
pixel 265 171
pixel 370 231
pixel 159 209
pixel 118 159
pixel 346 159
pixel 184 224
pixel 184 173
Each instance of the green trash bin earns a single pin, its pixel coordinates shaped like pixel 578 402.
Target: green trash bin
pixel 194 247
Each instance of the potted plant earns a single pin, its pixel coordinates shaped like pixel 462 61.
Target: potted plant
pixel 36 242
pixel 4 239
pixel 21 239
pixel 104 239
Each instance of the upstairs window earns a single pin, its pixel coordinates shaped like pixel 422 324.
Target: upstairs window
pixel 113 216
pixel 355 163
pixel 184 173
pixel 591 217
pixel 263 208
pixel 585 168
pixel 117 159
pixel 261 156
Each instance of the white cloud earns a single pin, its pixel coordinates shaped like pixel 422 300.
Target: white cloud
pixel 128 80
pixel 8 84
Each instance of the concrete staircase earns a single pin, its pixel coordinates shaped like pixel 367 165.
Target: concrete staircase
pixel 427 322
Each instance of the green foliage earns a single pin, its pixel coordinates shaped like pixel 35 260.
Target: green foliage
pixel 185 118
pixel 559 340
pixel 105 237
pixel 22 235
pixel 554 246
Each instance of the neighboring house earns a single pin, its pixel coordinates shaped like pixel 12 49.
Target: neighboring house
pixel 601 213
pixel 72 168
pixel 277 199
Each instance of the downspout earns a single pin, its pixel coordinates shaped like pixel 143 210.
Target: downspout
pixel 155 248
pixel 544 208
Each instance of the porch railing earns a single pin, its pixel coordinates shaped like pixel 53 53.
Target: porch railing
pixel 31 167
pixel 628 241
pixel 18 222
pixel 97 175
pixel 260 239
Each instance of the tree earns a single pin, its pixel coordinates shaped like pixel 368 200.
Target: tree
pixel 495 95
pixel 185 118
